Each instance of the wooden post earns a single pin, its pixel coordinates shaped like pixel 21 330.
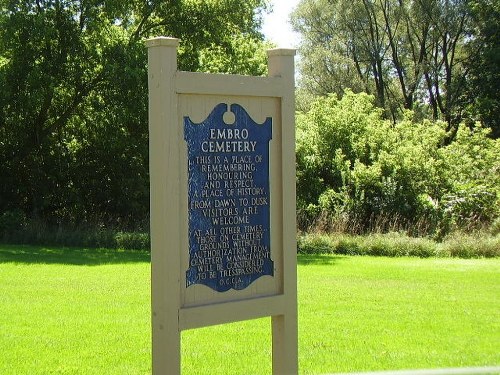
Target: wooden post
pixel 164 141
pixel 284 327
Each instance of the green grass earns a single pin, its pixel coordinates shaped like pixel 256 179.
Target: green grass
pixel 70 311
pixel 77 311
pixel 366 313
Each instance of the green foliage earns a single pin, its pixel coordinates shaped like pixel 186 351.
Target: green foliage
pixel 471 246
pixel 11 221
pixel 73 103
pixel 14 228
pixel 391 245
pixel 482 97
pixel 411 55
pixel 356 168
pixel 473 166
pixel 132 241
pixel 40 233
pixel 244 55
pixel 495 227
pixel 471 205
pixel 315 244
pixel 399 245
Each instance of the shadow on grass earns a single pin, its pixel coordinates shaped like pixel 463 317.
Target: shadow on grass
pixel 69 255
pixel 27 254
pixel 318 259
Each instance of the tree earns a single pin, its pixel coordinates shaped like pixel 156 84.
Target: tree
pixel 409 54
pixel 73 118
pixel 483 93
pixel 358 172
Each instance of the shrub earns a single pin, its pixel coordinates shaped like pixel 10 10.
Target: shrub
pixel 349 245
pixel 495 227
pixel 315 244
pixel 351 163
pixel 11 221
pixel 39 233
pixel 472 246
pixel 132 240
pixel 469 207
pixel 398 245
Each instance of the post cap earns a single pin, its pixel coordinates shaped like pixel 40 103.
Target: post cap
pixel 281 52
pixel 162 41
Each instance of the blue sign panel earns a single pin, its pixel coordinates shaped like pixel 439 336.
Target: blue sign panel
pixel 228 200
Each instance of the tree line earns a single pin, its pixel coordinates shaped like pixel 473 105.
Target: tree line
pixel 438 58
pixel 73 98
pixel 358 172
pixel 398 122
pixel 397 107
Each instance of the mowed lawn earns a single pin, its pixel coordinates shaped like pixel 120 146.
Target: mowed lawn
pixel 78 311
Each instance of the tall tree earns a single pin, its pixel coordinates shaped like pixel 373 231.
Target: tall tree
pixel 483 94
pixel 73 104
pixel 408 53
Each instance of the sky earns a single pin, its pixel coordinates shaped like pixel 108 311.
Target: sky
pixel 276 25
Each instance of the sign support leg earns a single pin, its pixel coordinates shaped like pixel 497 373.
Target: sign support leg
pixel 164 138
pixel 284 327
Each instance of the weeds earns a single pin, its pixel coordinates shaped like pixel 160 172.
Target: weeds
pixel 37 233
pixel 398 245
pixel 391 244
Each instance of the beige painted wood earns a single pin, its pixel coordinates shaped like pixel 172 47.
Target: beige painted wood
pixel 225 84
pixel 175 307
pixel 164 137
pixel 285 330
pixel 227 312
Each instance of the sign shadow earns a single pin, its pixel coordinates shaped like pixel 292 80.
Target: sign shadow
pixel 25 254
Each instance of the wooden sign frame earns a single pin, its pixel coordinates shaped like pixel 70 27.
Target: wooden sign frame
pixel 174 96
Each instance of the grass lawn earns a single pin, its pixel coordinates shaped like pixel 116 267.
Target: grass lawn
pixel 76 311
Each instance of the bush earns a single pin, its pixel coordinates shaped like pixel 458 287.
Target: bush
pixel 472 246
pixel 315 244
pixel 349 245
pixel 11 221
pixel 36 232
pixel 355 168
pixel 398 245
pixel 132 241
pixel 495 227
